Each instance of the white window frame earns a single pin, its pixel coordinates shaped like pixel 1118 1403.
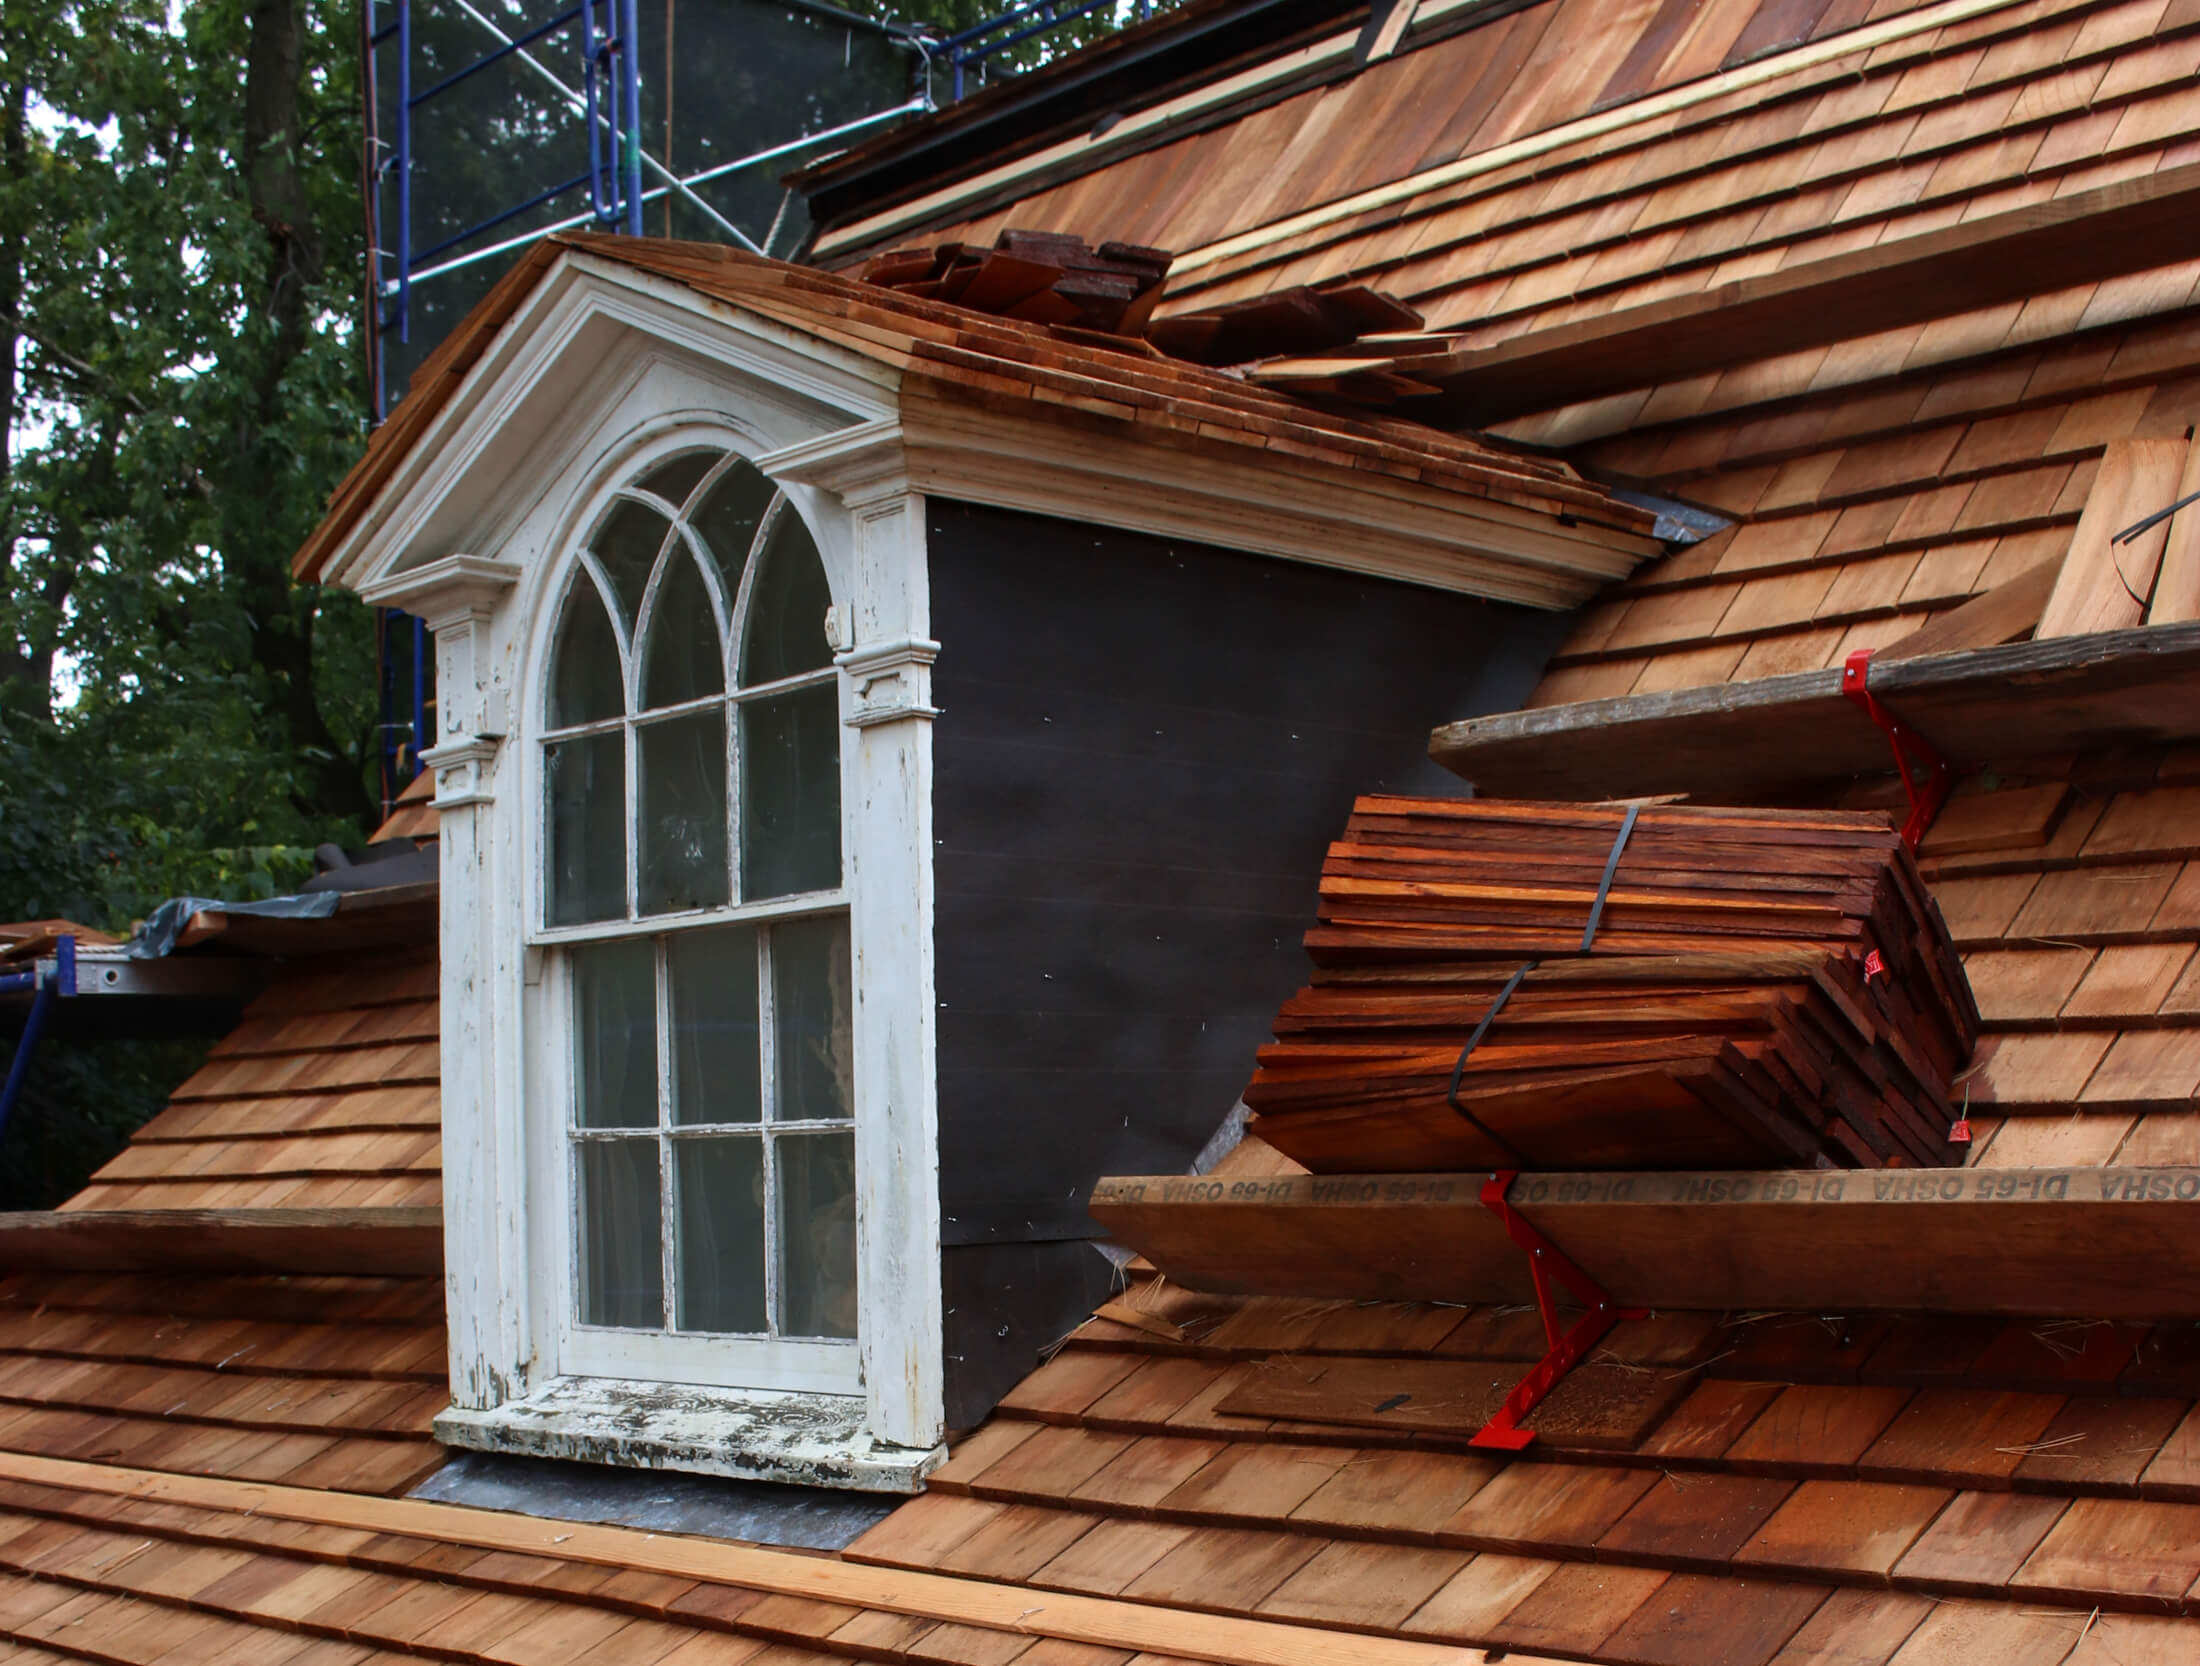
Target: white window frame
pixel 824 1365
pixel 600 373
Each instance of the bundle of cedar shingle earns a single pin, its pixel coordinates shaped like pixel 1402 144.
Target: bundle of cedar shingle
pixel 1763 987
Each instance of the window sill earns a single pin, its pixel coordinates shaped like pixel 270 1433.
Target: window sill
pixel 796 1439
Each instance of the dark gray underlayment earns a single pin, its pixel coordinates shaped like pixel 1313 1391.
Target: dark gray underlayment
pixel 756 1511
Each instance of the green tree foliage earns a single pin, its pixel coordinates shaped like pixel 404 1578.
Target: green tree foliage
pixel 180 386
pixel 179 374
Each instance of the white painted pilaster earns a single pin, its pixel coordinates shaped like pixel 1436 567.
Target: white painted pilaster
pixel 486 1294
pixel 886 785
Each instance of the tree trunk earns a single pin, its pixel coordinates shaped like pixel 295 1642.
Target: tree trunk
pixel 281 613
pixel 22 667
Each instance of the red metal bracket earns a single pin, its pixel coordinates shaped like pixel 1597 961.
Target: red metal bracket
pixel 1566 1350
pixel 1927 777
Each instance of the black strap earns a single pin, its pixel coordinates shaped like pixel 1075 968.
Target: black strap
pixel 1458 1070
pixel 1504 994
pixel 1611 867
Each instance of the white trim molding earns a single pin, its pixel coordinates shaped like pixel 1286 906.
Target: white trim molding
pixel 458 597
pixel 861 466
pixel 889 681
pixel 462 771
pixel 796 1439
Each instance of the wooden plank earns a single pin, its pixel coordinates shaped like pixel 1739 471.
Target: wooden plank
pixel 250 1510
pixel 2017 818
pixel 2046 1242
pixel 2176 595
pixel 392 1241
pixel 2130 225
pixel 2042 1242
pixel 1597 1406
pixel 2010 610
pixel 2079 693
pixel 2104 584
pixel 1356 1238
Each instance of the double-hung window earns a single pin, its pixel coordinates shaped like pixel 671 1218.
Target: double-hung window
pixel 693 908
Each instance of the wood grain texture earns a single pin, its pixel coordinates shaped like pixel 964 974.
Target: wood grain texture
pixel 370 1241
pixel 2062 1239
pixel 2069 240
pixel 2119 687
pixel 2106 578
pixel 248 1511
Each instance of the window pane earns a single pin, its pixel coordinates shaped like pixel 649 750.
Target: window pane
pixel 585 684
pixel 622 1273
pixel 615 1012
pixel 786 628
pixel 673 481
pixel 627 545
pixel 790 793
pixel 721 1277
pixel 683 658
pixel 716 1072
pixel 682 838
pixel 586 783
pixel 817 1234
pixel 812 1013
pixel 728 520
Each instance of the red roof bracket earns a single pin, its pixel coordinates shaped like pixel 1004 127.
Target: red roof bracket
pixel 1927 777
pixel 1566 1349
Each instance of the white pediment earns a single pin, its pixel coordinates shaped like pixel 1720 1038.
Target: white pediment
pixel 596 360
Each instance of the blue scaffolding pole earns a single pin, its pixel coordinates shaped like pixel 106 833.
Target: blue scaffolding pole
pixel 51 982
pixel 609 99
pixel 612 95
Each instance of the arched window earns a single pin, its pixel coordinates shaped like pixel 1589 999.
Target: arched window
pixel 691 773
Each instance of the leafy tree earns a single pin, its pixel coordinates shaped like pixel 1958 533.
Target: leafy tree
pixel 179 376
pixel 180 386
pixel 181 383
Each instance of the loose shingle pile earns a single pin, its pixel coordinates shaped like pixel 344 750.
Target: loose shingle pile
pixel 1761 987
pixel 1058 279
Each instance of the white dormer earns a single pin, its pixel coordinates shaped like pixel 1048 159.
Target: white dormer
pixel 683 551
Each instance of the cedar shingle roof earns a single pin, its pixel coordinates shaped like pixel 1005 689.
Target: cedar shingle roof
pixel 1758 1488
pixel 1115 392
pixel 1773 1489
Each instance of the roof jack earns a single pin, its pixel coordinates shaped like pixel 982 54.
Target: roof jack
pixel 1927 776
pixel 1567 1348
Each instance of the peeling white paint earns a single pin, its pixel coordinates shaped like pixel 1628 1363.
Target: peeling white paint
pixel 804 1440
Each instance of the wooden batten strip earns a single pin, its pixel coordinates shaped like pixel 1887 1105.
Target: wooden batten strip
pixel 386 1241
pixel 2132 225
pixel 1097 1622
pixel 2176 597
pixel 2138 687
pixel 2104 584
pixel 1598 126
pixel 2047 1243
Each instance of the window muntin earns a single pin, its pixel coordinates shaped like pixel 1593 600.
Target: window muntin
pixel 712 1131
pixel 691 749
pixel 691 769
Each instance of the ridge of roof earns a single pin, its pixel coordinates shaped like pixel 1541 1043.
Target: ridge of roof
pixel 1197 110
pixel 1185 46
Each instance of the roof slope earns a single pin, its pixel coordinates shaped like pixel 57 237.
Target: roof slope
pixel 1112 392
pixel 128 1566
pixel 1468 83
pixel 324 1097
pixel 1759 1488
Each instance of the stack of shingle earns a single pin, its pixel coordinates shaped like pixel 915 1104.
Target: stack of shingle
pixel 1036 276
pixel 1761 987
pixel 1058 279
